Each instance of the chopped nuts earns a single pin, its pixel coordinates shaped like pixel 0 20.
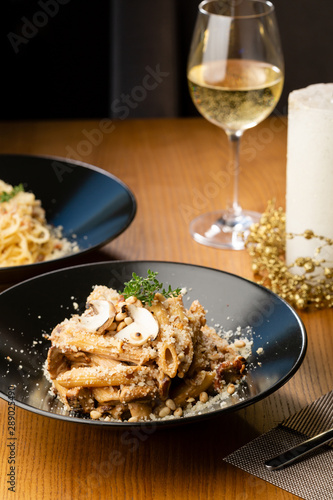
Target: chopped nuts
pixel 121 325
pixel 158 296
pixel 170 404
pixel 231 388
pixel 120 306
pixel 131 300
pixel 121 316
pixel 164 412
pixel 203 397
pixel 178 412
pixel 95 415
pixel 239 343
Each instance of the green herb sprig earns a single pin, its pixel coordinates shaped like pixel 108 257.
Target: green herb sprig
pixel 8 196
pixel 145 288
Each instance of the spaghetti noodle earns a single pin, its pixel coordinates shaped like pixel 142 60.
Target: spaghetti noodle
pixel 25 235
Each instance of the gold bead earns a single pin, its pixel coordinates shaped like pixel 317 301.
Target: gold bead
pixel 328 271
pixel 300 303
pixel 308 234
pixel 309 267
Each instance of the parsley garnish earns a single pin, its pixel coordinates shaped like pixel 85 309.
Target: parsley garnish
pixel 8 196
pixel 145 288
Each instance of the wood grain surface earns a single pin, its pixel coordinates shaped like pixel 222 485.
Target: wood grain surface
pixel 176 169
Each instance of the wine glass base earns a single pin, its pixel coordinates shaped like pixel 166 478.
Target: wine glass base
pixel 223 229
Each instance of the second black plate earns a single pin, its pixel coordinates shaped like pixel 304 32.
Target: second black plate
pixel 86 201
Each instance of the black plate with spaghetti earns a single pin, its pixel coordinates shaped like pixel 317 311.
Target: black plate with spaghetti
pixel 91 205
pixel 36 306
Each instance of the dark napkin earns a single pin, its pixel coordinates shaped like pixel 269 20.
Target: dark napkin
pixel 311 478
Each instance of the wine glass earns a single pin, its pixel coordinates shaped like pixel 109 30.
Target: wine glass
pixel 235 75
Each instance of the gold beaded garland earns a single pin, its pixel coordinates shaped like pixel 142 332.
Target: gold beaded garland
pixel 266 244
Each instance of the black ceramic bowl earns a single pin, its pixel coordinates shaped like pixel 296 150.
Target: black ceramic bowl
pixel 86 201
pixel 231 301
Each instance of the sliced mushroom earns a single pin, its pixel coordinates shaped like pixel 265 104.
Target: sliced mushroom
pixel 56 362
pixel 143 328
pixel 99 316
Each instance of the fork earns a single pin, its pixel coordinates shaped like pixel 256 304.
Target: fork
pixel 295 453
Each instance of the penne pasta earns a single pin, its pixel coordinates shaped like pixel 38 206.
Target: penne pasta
pixel 137 393
pixel 168 359
pixel 182 333
pixel 106 394
pixel 175 339
pixel 191 388
pixel 99 377
pixel 139 411
pixel 121 359
pixel 101 345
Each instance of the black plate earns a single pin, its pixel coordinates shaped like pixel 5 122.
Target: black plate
pixel 34 307
pixel 86 201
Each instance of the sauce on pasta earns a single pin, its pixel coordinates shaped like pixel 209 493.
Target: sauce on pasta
pixel 125 360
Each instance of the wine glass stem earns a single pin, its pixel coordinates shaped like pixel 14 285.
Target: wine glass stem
pixel 234 144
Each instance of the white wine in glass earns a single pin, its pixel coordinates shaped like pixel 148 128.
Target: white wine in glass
pixel 235 75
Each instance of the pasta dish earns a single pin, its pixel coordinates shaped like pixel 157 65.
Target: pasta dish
pixel 25 236
pixel 122 359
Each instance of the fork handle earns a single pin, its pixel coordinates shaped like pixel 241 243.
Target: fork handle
pixel 299 451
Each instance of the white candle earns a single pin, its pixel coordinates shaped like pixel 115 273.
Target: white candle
pixel 309 201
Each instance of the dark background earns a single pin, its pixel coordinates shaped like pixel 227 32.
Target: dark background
pixel 79 58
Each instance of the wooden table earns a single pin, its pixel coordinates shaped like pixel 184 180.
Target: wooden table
pixel 173 167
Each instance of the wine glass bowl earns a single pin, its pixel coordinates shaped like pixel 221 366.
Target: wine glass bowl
pixel 235 75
